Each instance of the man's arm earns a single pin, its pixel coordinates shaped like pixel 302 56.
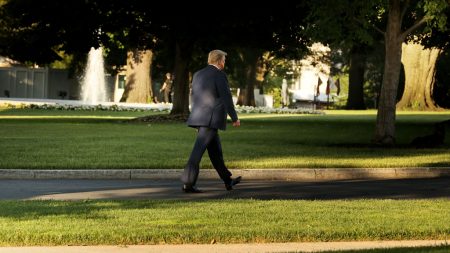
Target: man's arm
pixel 163 87
pixel 224 92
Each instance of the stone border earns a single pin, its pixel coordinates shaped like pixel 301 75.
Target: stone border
pixel 236 248
pixel 319 174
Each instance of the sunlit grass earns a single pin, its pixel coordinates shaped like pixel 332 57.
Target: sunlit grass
pixel 225 221
pixel 40 139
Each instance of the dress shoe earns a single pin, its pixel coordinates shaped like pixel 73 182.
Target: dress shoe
pixel 191 189
pixel 235 181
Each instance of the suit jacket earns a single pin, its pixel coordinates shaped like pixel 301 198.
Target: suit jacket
pixel 211 99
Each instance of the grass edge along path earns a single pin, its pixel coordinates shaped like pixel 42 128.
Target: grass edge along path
pixel 30 223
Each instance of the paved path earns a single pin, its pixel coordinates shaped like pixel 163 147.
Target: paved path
pixel 214 189
pixel 223 248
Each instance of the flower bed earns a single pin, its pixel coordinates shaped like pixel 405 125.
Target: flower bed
pixel 150 107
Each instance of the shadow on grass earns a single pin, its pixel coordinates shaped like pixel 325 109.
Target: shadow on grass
pixel 374 146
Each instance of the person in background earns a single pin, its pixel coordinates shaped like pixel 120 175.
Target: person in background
pixel 284 93
pixel 167 88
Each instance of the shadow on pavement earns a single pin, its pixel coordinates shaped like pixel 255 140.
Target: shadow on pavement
pixel 214 189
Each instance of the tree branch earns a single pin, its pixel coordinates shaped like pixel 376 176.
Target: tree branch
pixel 374 26
pixel 405 7
pixel 414 27
pixel 378 30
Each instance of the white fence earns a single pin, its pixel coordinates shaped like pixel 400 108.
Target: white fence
pixel 42 83
pixel 21 82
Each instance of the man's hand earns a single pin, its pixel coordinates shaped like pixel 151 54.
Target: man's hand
pixel 237 123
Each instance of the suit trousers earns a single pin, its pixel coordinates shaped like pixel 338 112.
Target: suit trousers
pixel 207 139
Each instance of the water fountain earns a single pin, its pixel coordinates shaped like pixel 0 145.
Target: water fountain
pixel 93 84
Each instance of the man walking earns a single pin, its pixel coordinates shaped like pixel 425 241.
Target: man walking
pixel 211 102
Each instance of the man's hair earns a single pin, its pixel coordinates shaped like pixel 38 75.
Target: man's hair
pixel 215 56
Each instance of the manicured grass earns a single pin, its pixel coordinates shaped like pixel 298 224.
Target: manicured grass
pixel 46 139
pixel 440 249
pixel 225 221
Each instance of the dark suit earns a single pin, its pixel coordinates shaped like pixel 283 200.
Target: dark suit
pixel 211 102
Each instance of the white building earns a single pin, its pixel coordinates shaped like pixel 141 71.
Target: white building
pixel 44 83
pixel 310 88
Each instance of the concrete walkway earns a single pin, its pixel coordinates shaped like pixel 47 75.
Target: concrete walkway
pixel 223 248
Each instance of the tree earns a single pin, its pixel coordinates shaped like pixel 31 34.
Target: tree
pixel 340 25
pixel 138 81
pixel 274 30
pixel 420 70
pixel 441 92
pixel 357 64
pixel 129 26
pixel 245 71
pixel 420 58
pixel 403 18
pixel 183 54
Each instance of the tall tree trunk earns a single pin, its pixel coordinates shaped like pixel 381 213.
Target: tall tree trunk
pixel 261 72
pixel 138 88
pixel 420 70
pixel 242 95
pixel 385 125
pixel 250 89
pixel 355 99
pixel 181 82
pixel 246 95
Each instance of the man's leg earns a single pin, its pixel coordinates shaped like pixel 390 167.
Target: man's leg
pixel 216 157
pixel 204 137
pixel 166 97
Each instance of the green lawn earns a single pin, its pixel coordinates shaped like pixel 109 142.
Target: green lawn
pixel 39 139
pixel 47 139
pixel 225 221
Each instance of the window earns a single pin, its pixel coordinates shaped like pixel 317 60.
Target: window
pixel 122 79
